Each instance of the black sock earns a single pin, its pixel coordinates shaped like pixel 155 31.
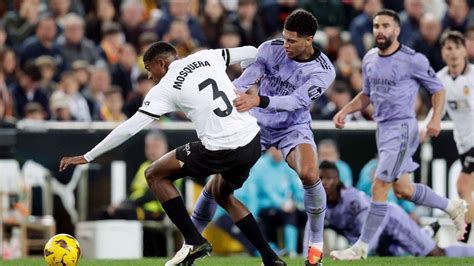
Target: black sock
pixel 249 227
pixel 179 216
pixel 466 235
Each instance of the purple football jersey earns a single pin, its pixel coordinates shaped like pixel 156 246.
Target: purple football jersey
pixel 398 229
pixel 392 82
pixel 291 85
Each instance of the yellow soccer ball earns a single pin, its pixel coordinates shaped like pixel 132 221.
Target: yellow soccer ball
pixel 62 249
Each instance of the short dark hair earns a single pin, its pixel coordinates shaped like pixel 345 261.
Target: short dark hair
pixel 454 36
pixel 32 71
pixel 328 165
pixel 302 22
pixel 159 49
pixel 390 13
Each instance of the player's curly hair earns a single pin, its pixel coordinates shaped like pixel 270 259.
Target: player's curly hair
pixel 159 49
pixel 302 22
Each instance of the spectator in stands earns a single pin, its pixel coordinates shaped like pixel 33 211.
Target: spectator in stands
pixel 144 41
pixel 34 112
pixel 103 12
pixel 457 16
pixel 347 63
pixel 248 23
pixel 69 85
pixel 277 199
pixel 20 24
pixel 6 104
pixel 43 43
pixel 59 9
pixel 230 38
pixel 99 82
pixel 181 9
pixel 124 72
pixel 3 36
pixel 427 42
pixel 213 21
pixel 142 204
pixel 82 73
pixel 112 40
pixel 361 27
pixel 60 109
pixel 328 151
pixel 410 20
pixel 179 36
pixel 132 20
pixel 27 89
pixel 367 174
pixel 135 101
pixel 74 44
pixel 8 66
pixel 47 66
pixel 111 110
pixel 469 35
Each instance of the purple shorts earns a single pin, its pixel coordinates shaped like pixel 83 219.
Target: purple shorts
pixel 286 139
pixel 403 234
pixel 397 141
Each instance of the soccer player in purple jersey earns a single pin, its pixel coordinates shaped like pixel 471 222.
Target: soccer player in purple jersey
pixel 291 73
pixel 392 75
pixel 398 234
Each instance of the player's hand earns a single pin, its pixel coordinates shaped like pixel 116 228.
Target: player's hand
pixel 339 119
pixel 67 161
pixel 433 128
pixel 245 102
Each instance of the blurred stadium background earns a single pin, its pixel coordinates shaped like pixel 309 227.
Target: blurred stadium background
pixel 71 70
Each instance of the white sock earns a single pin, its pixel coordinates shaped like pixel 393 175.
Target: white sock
pixel 361 244
pixel 450 207
pixel 318 245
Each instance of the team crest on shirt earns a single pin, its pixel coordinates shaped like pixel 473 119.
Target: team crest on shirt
pixel 299 75
pixel 466 90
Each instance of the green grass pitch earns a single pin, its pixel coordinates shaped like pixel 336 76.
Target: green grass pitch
pixel 247 261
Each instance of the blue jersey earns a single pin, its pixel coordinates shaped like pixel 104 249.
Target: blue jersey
pixel 291 85
pixel 392 82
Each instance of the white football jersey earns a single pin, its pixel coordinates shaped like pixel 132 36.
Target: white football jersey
pixel 460 105
pixel 199 86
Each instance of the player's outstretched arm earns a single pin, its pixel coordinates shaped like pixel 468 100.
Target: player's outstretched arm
pixel 360 102
pixel 118 136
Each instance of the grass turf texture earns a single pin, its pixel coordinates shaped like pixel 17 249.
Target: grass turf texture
pixel 247 261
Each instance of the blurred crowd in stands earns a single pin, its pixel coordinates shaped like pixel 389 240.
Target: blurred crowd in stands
pixel 80 60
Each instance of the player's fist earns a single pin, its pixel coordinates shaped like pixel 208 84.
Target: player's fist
pixel 433 128
pixel 67 161
pixel 339 119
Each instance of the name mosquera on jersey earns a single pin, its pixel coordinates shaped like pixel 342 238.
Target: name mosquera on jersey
pixel 189 69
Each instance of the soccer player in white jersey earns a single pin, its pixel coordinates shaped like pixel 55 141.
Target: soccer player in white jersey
pixel 229 141
pixel 458 79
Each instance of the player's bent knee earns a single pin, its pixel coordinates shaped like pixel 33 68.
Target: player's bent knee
pixel 402 192
pixel 308 176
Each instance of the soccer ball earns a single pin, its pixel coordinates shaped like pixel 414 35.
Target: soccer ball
pixel 62 249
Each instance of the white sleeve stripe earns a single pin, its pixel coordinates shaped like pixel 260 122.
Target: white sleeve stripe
pixel 149 114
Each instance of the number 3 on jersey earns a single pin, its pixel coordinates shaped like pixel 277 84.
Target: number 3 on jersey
pixel 216 93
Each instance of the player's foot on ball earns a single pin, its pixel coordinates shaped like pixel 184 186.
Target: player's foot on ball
pixel 188 254
pixel 459 209
pixel 277 262
pixel 356 252
pixel 315 257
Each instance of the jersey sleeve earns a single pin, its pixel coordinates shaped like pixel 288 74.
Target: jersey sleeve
pixel 159 100
pixel 425 74
pixel 253 73
pixel 305 94
pixel 365 80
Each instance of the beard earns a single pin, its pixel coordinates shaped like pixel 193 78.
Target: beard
pixel 385 44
